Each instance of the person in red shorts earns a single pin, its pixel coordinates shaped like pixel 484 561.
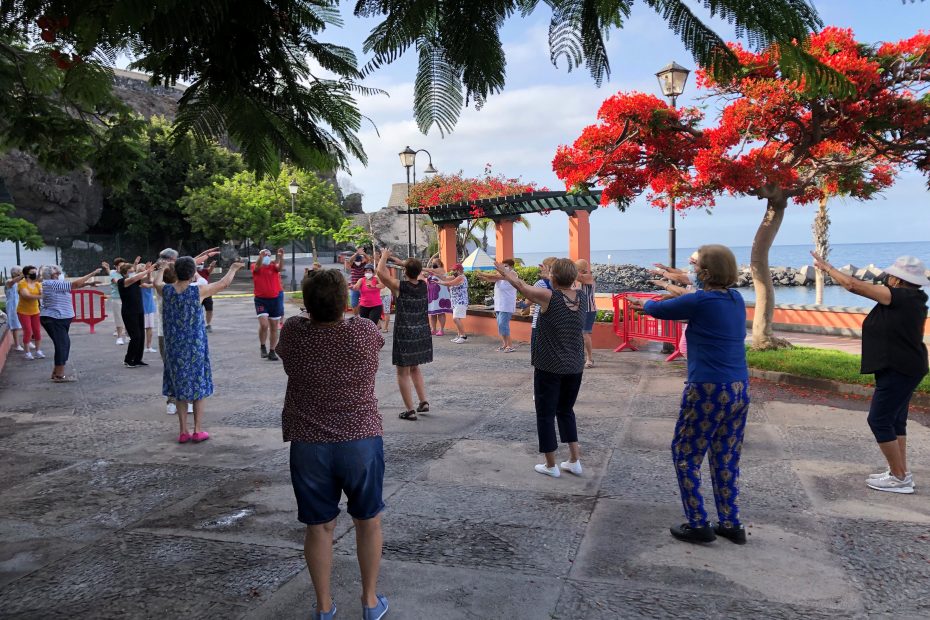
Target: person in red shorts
pixel 269 299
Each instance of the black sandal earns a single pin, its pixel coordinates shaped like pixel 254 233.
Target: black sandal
pixel 408 415
pixel 424 407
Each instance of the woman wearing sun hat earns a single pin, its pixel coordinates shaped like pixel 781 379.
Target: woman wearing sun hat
pixel 893 349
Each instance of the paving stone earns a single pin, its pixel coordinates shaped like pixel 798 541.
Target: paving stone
pixel 807 572
pixel 143 567
pixel 839 489
pixel 102 494
pixel 27 547
pixel 759 441
pixel 18 468
pixel 122 607
pixel 229 447
pixel 78 436
pixel 439 592
pixel 407 457
pixel 810 444
pixel 888 563
pixel 601 601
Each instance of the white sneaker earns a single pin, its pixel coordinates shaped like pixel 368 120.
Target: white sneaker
pixel 151 350
pixel 458 340
pixel 190 407
pixel 891 484
pixel 548 471
pixel 20 348
pixel 120 341
pixel 32 345
pixel 887 472
pixel 115 334
pixel 39 354
pixel 28 355
pixel 574 468
pixel 171 409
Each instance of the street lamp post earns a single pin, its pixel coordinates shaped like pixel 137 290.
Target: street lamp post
pixel 408 159
pixel 672 78
pixel 292 188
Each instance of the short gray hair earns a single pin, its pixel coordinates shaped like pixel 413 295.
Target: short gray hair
pixel 168 254
pixel 48 270
pixel 15 269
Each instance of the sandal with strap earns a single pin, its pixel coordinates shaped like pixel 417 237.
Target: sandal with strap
pixel 408 415
pixel 424 407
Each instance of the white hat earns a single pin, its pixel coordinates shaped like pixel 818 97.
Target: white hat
pixel 910 269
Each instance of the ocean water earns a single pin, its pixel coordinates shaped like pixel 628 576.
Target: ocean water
pixel 858 254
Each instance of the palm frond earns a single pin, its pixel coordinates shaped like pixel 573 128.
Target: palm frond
pixel 437 91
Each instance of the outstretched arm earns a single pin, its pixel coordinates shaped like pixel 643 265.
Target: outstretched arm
pixel 82 281
pixel 139 276
pixel 535 294
pixel 209 290
pixel 384 273
pixel 876 292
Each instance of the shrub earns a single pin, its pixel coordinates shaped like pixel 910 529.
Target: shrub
pixel 479 290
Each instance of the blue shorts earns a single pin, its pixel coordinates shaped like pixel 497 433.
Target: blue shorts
pixel 272 307
pixel 589 318
pixel 354 297
pixel 321 472
pixel 503 323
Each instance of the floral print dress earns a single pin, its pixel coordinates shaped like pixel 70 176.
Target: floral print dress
pixel 187 375
pixel 437 296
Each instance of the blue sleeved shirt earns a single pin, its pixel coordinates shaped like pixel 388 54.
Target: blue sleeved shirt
pixel 716 333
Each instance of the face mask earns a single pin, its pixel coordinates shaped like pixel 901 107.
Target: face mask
pixel 31 276
pixel 61 276
pixel 358 262
pixel 199 267
pixel 266 260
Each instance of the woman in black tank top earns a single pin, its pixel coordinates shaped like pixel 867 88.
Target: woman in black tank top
pixel 557 355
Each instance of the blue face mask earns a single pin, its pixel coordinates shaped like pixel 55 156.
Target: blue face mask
pixel 266 260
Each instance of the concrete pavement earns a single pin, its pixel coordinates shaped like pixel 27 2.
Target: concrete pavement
pixel 103 515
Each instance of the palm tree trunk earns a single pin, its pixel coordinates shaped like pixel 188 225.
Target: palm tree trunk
pixel 821 230
pixel 762 336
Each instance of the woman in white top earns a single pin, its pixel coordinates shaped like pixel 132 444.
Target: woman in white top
pixel 505 304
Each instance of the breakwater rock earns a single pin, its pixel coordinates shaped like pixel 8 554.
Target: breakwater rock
pixel 620 278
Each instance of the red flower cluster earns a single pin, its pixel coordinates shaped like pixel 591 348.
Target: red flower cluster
pixel 50 27
pixel 443 189
pixel 774 137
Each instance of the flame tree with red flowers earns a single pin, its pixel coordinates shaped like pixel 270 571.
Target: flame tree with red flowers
pixel 774 141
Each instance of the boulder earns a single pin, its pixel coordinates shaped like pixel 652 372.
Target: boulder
pixel 849 270
pixel 805 275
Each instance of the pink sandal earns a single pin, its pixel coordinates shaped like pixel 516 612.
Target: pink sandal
pixel 201 436
pixel 184 437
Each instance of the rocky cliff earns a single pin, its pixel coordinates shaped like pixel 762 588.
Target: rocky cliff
pixel 388 226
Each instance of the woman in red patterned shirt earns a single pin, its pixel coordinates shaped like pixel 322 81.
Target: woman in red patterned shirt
pixel 335 432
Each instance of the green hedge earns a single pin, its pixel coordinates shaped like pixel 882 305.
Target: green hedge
pixel 478 289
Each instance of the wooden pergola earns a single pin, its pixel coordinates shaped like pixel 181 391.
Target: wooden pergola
pixel 505 210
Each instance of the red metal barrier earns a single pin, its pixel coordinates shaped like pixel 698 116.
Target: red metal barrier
pixel 89 307
pixel 643 326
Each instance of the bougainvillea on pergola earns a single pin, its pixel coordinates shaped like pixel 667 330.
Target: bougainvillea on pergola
pixel 774 141
pixel 441 189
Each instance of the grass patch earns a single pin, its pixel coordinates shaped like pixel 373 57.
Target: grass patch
pixel 820 363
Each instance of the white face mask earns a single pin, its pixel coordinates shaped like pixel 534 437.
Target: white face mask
pixel 266 260
pixel 61 276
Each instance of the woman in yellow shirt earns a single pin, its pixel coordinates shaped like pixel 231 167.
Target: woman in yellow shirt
pixel 30 292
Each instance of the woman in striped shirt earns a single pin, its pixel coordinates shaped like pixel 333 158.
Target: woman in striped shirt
pixel 57 314
pixel 557 355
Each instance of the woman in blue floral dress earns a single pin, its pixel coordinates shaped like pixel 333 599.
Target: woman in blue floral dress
pixel 187 377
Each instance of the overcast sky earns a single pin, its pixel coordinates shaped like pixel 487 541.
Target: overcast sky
pixel 542 107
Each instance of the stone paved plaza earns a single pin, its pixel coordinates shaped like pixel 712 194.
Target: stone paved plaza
pixel 103 515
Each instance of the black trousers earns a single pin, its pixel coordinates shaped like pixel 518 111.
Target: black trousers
pixel 57 330
pixel 135 327
pixel 890 402
pixel 555 402
pixel 372 313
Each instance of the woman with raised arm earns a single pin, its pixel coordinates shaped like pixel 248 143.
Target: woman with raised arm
pixel 715 400
pixel 129 287
pixel 458 291
pixel 11 295
pixel 505 304
pixel 188 377
pixel 893 350
pixel 369 289
pixel 557 355
pixel 57 313
pixel 439 302
pixel 413 343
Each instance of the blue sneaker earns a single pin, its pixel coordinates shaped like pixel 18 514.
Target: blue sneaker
pixel 329 615
pixel 378 611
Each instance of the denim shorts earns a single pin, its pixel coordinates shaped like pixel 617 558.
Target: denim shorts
pixel 503 323
pixel 272 307
pixel 589 319
pixel 321 472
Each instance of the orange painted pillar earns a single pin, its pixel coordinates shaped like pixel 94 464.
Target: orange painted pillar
pixel 503 239
pixel 447 245
pixel 579 236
